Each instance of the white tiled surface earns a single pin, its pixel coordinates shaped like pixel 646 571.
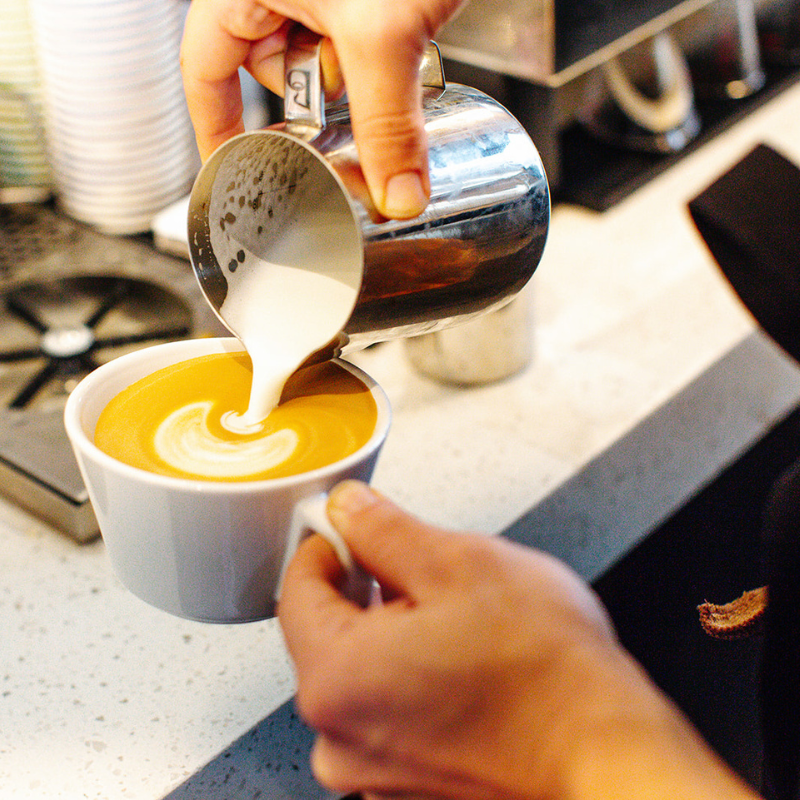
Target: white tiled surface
pixel 635 332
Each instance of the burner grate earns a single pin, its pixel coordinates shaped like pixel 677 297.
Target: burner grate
pixel 52 333
pixel 71 299
pixel 55 332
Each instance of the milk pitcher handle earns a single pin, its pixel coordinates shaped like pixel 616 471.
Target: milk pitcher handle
pixel 304 93
pixel 310 516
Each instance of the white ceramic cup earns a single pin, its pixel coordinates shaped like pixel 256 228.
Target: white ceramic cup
pixel 205 550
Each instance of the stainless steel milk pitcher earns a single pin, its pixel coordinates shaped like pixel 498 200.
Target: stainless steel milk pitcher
pixel 294 193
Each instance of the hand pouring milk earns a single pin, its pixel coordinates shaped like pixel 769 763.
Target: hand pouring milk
pixel 291 253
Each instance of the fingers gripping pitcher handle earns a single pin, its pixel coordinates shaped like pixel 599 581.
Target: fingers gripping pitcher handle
pixel 304 93
pixel 310 516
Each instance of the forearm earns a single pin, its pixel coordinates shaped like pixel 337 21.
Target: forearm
pixel 596 728
pixel 642 747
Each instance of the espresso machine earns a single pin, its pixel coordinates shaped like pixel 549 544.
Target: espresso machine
pixel 540 57
pixel 621 72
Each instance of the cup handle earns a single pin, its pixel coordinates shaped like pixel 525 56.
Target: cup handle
pixel 310 516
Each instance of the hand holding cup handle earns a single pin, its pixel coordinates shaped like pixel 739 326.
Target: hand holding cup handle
pixel 310 516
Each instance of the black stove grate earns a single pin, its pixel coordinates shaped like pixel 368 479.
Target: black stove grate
pixel 71 299
pixel 60 330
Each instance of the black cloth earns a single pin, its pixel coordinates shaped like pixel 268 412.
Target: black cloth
pixel 750 220
pixel 780 657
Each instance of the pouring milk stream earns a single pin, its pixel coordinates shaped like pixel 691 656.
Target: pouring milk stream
pixel 261 304
pixel 279 337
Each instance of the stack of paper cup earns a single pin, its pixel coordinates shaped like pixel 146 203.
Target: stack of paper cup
pixel 23 157
pixel 119 137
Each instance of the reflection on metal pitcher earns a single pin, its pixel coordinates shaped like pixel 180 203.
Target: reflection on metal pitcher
pixel 294 194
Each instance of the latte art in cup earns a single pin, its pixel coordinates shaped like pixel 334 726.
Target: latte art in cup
pixel 215 549
pixel 187 421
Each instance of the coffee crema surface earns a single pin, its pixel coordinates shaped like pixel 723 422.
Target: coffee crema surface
pixel 187 421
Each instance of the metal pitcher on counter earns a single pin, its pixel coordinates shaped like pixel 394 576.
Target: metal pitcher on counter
pixel 294 194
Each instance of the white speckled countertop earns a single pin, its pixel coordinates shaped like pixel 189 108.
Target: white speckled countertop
pixel 647 378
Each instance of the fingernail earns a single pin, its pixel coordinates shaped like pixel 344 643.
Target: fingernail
pixel 405 196
pixel 350 497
